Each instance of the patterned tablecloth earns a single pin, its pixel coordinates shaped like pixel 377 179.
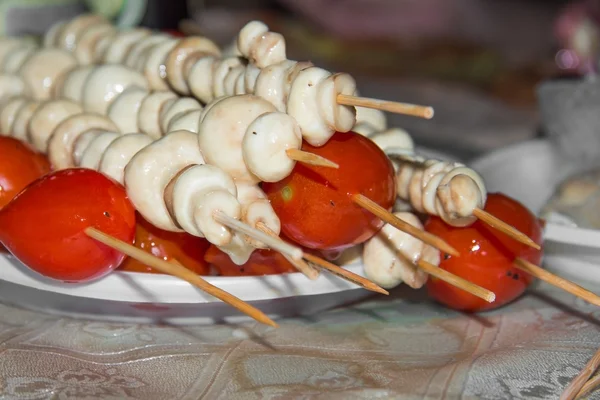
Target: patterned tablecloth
pixel 402 347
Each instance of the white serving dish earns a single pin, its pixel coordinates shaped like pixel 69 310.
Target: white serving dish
pixel 153 298
pixel 529 172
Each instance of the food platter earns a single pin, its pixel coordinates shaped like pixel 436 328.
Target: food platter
pixel 148 298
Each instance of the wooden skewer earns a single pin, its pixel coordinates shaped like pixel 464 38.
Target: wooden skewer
pixel 505 228
pixel 179 272
pixel 334 269
pixel 302 266
pixel 576 385
pixel 389 106
pixel 457 281
pixel 589 387
pixel 345 274
pixel 306 157
pixel 404 226
pixel 557 281
pixel 295 253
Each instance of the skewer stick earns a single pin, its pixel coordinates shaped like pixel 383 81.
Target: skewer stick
pixel 404 226
pixel 505 228
pixel 295 253
pixel 589 387
pixel 302 266
pixel 306 157
pixel 389 106
pixel 336 270
pixel 557 281
pixel 457 281
pixel 345 274
pixel 180 272
pixel 576 385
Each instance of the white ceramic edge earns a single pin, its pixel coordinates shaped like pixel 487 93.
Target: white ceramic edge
pixel 158 288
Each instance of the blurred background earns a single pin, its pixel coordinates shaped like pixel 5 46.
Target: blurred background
pixel 478 62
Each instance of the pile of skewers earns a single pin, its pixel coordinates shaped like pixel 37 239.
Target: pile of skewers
pixel 244 148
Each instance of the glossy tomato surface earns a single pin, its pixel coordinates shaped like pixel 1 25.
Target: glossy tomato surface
pixel 19 166
pixel 314 203
pixel 44 225
pixel 486 256
pixel 184 248
pixel 261 262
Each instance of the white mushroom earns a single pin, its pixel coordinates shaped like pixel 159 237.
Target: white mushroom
pixel 176 107
pixel 46 118
pixel 148 117
pixel 125 109
pixel 60 145
pixel 118 154
pixel 152 169
pixel 122 43
pixel 42 68
pixel 181 58
pixel 382 262
pixel 230 117
pixel 105 83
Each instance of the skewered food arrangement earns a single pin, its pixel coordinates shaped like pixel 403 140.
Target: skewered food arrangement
pixel 245 163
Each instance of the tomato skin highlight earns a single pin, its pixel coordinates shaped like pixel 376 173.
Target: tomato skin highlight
pixel 19 166
pixel 486 256
pixel 182 247
pixel 314 203
pixel 261 262
pixel 43 227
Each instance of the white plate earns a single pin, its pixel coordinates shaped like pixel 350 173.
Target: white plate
pixel 529 172
pixel 151 298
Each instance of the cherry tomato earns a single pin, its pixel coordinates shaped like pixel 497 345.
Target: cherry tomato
pixel 43 226
pixel 261 262
pixel 19 166
pixel 486 256
pixel 184 248
pixel 314 203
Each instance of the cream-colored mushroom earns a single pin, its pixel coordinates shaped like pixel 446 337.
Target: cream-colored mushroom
pixel 175 107
pixel 105 83
pixel 60 145
pixel 85 49
pixel 42 68
pixel 369 121
pixel 69 33
pixel 119 152
pixel 154 66
pixel 230 117
pixel 266 142
pixel 260 46
pixel 122 43
pixel 70 84
pixel 125 109
pixel 181 58
pixel 256 208
pixel 10 86
pixel 152 169
pixel 312 102
pixel 46 118
pixel 150 111
pixel 187 120
pixel 389 257
pixel 22 117
pixel 9 112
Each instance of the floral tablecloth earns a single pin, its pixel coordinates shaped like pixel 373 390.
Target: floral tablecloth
pixel 401 347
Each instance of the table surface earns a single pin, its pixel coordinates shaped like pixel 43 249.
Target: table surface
pixel 400 347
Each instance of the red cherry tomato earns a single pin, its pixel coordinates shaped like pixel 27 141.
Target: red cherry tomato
pixel 314 203
pixel 19 166
pixel 261 262
pixel 486 256
pixel 43 226
pixel 186 249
